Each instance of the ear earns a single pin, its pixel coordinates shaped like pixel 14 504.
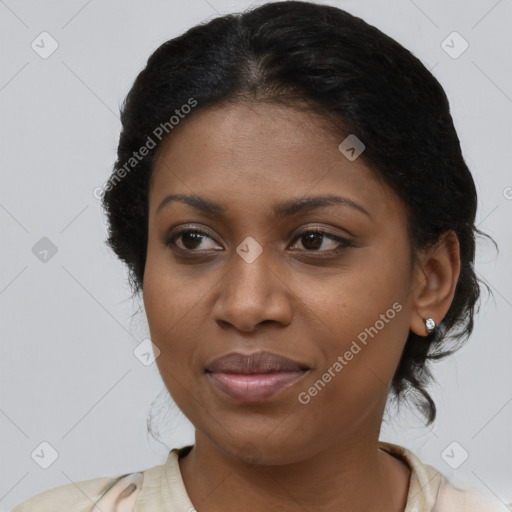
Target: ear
pixel 435 278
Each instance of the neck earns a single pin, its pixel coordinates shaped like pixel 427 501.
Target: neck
pixel 351 475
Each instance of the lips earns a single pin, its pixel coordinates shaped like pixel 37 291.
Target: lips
pixel 254 377
pixel 259 362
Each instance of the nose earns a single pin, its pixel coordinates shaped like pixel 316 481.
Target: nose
pixel 252 293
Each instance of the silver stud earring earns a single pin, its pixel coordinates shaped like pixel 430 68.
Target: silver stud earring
pixel 430 324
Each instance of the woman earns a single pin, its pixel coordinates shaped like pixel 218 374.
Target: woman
pixel 291 199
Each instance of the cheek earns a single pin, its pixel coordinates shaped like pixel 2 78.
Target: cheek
pixel 177 306
pixel 354 298
pixel 353 383
pixel 168 297
pixel 364 317
pixel 171 323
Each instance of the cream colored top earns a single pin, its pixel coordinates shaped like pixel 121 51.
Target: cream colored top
pixel 161 488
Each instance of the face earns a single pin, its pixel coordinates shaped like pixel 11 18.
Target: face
pixel 327 286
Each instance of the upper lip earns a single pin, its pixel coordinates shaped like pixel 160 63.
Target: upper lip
pixel 258 362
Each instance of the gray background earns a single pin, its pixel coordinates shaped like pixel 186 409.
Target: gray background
pixel 69 376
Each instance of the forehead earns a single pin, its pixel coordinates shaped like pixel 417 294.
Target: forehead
pixel 264 152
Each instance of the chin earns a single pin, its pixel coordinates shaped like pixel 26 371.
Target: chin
pixel 259 448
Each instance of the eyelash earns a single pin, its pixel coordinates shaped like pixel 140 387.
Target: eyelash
pixel 344 242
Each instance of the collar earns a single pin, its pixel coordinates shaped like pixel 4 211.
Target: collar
pixel 423 484
pixel 424 480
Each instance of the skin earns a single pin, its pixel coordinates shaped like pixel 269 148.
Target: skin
pixel 294 299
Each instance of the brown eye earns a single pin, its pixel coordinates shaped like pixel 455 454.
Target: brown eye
pixel 314 240
pixel 191 239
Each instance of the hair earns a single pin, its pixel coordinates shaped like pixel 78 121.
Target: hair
pixel 350 74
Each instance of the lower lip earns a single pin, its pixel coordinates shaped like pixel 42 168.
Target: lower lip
pixel 254 387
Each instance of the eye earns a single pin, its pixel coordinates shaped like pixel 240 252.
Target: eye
pixel 313 241
pixel 191 239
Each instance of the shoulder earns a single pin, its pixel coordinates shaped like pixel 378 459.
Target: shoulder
pixel 430 490
pixel 105 494
pixel 454 499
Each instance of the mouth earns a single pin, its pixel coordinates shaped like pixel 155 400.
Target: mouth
pixel 254 377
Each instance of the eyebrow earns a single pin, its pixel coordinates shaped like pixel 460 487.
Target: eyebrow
pixel 280 211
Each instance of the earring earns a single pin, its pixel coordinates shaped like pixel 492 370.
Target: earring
pixel 430 324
